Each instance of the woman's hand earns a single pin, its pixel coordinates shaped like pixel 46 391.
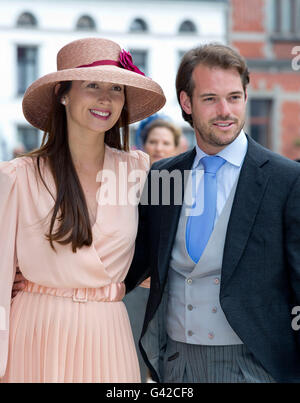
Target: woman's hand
pixel 19 283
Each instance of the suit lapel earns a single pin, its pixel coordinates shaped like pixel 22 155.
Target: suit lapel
pixel 249 193
pixel 170 215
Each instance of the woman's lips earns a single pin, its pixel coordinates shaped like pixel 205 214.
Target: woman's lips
pixel 100 114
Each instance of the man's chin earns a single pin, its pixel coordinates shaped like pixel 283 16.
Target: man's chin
pixel 224 139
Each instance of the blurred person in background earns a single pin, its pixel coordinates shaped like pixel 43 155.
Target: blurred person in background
pixel 161 139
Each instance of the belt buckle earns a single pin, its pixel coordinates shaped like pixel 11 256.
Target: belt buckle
pixel 79 298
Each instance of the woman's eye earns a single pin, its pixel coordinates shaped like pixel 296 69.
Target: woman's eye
pixel 92 85
pixel 117 88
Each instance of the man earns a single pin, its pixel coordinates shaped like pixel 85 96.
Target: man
pixel 223 281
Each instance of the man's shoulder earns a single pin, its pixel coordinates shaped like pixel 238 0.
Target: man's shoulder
pixel 173 162
pixel 263 155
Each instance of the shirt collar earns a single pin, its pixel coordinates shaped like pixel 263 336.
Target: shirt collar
pixel 234 153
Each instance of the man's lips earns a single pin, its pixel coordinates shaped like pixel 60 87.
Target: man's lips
pixel 224 125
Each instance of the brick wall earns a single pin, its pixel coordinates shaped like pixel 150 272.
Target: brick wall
pixel 282 85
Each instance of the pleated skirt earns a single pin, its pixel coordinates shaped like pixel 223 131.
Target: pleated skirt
pixel 53 339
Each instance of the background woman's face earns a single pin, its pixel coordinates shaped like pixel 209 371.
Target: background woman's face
pixel 160 144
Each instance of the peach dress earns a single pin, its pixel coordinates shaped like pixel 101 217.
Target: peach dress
pixel 51 332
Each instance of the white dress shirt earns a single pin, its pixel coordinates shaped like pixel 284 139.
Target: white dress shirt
pixel 227 175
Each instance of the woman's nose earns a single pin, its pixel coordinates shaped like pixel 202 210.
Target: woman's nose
pixel 104 96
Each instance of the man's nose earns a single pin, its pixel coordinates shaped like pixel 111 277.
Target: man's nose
pixel 223 108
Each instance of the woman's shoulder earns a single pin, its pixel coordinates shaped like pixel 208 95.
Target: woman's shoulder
pixel 136 158
pixel 17 164
pixel 18 168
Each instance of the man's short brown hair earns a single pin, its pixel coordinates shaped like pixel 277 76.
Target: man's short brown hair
pixel 211 55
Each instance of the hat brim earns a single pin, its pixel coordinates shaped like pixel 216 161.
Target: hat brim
pixel 143 95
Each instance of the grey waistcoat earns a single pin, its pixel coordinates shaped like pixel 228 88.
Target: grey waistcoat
pixel 194 314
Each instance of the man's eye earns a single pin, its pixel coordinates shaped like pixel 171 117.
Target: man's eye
pixel 210 99
pixel 92 85
pixel 236 97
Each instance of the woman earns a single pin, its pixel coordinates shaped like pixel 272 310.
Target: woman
pixel 161 139
pixel 73 242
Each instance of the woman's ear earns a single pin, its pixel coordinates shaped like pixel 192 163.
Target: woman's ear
pixel 185 102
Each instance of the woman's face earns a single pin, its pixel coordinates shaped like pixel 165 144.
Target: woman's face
pixel 93 106
pixel 160 144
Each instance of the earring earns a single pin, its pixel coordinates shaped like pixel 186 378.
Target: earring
pixel 63 100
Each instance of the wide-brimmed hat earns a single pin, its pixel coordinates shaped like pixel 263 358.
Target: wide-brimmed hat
pixel 94 59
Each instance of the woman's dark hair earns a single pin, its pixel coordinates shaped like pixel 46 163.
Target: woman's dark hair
pixel 70 209
pixel 211 55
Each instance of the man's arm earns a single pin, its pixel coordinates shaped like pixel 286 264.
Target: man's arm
pixel 292 238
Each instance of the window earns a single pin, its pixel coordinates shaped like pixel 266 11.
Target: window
pixel 187 27
pixel 28 136
pixel 140 59
pixel 138 25
pixel 26 20
pixel 260 121
pixel 86 23
pixel 26 66
pixel 285 17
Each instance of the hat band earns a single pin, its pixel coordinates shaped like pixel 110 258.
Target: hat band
pixel 101 63
pixel 125 62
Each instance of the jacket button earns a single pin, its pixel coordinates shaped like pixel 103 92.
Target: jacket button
pixel 190 333
pixel 189 281
pixel 190 307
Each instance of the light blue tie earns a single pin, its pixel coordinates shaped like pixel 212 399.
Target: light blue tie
pixel 200 227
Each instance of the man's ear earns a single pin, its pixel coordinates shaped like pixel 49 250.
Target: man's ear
pixel 185 102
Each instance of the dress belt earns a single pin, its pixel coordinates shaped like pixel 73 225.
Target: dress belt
pixel 109 293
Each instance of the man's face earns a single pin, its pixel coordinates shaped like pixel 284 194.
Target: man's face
pixel 218 107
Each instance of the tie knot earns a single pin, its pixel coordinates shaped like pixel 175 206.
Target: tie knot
pixel 212 164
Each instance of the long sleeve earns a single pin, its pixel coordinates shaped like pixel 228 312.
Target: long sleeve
pixel 8 228
pixel 292 238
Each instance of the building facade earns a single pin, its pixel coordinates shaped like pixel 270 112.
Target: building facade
pixel 157 33
pixel 267 33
